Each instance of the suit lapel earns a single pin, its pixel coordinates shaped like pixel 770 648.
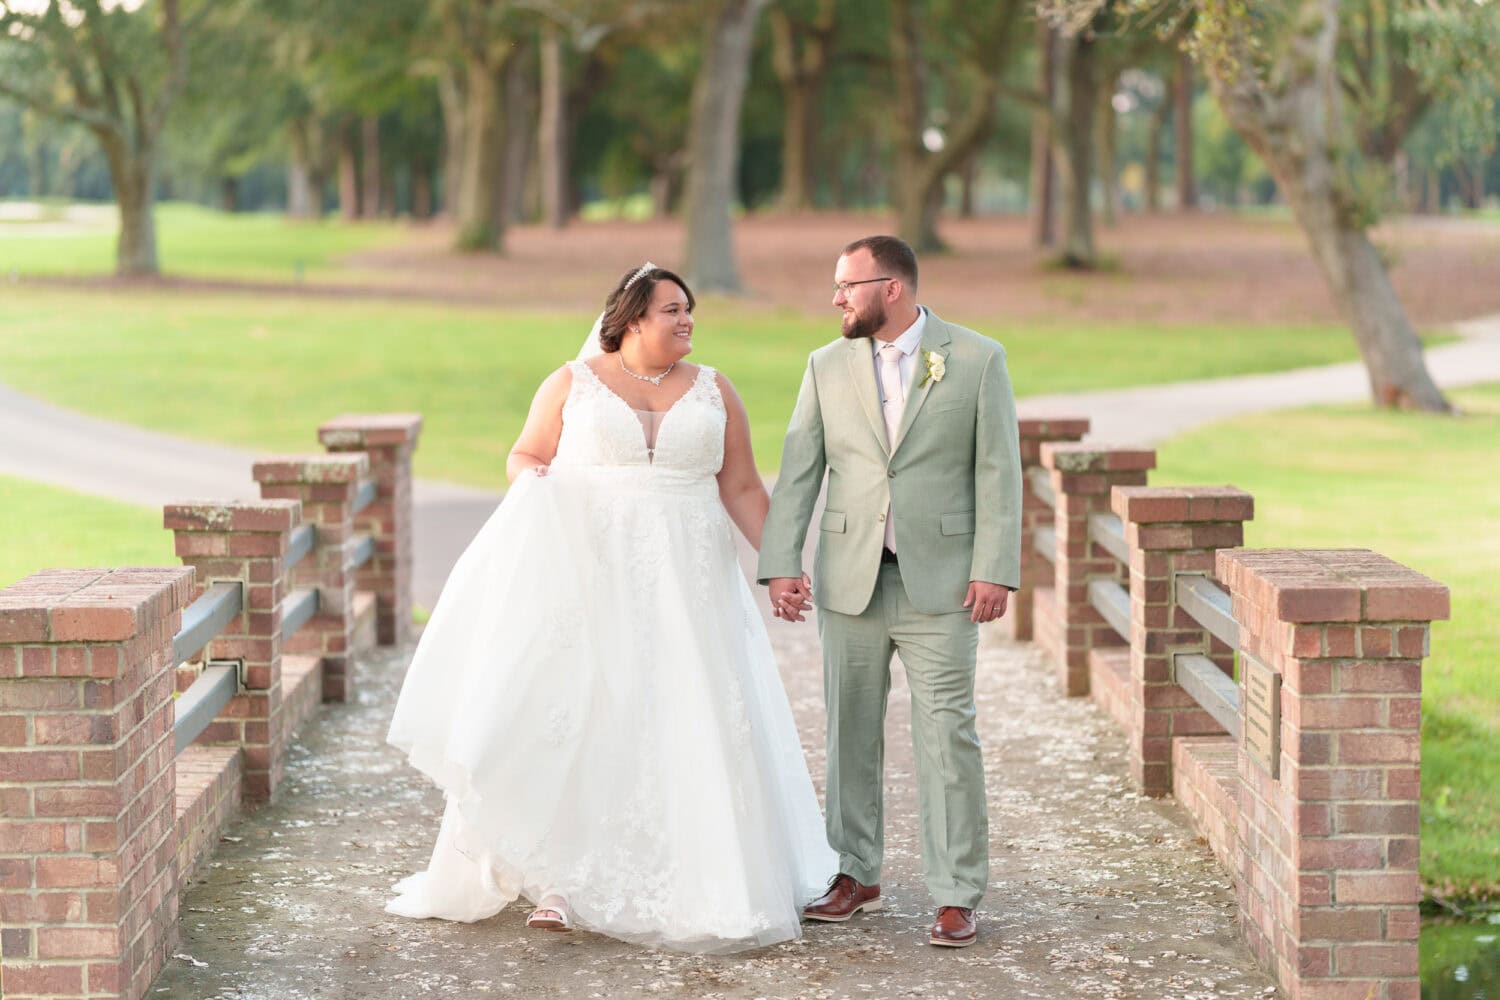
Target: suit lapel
pixel 935 337
pixel 862 371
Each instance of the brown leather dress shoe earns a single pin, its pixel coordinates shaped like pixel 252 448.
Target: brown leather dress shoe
pixel 955 927
pixel 845 897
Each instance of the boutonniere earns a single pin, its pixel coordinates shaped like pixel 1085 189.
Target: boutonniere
pixel 935 368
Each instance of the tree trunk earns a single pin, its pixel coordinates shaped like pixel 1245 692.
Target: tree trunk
pixel 1157 126
pixel 300 201
pixel 229 194
pixel 520 139
pixel 1293 131
pixel 369 128
pixel 451 99
pixel 1182 103
pixel 421 189
pixel 916 221
pixel 1107 133
pixel 713 145
pixel 801 72
pixel 796 150
pixel 968 175
pixel 481 189
pixel 132 171
pixel 1388 345
pixel 1043 170
pixel 1073 146
pixel 552 131
pixel 348 173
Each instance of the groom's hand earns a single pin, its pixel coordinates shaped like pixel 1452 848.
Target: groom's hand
pixel 988 601
pixel 790 597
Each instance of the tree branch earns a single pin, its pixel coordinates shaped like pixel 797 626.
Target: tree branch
pixel 70 112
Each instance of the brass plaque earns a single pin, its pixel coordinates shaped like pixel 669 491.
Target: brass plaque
pixel 1262 716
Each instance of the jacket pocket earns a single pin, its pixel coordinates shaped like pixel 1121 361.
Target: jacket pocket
pixel 834 521
pixel 943 406
pixel 961 523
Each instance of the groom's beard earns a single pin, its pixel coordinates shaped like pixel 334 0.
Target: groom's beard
pixel 862 326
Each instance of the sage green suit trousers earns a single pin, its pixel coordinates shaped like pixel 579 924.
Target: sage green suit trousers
pixel 938 653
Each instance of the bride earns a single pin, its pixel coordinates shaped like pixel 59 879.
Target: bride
pixel 595 692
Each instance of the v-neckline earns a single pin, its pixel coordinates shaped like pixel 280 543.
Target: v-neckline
pixel 660 424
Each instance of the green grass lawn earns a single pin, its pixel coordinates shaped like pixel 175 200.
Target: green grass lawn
pixel 66 529
pixel 1421 490
pixel 264 371
pixel 191 240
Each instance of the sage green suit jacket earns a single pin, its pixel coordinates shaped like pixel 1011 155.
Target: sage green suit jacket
pixel 952 479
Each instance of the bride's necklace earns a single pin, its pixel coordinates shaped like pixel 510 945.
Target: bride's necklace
pixel 653 379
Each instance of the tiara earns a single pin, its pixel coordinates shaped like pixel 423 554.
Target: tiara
pixel 645 268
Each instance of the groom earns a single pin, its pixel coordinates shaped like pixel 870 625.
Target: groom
pixel 913 421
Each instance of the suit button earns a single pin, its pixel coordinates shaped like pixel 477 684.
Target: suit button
pixel 881 518
pixel 891 474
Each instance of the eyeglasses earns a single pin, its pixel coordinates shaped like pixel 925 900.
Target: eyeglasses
pixel 842 287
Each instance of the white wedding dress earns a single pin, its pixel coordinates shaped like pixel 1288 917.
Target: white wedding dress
pixel 596 695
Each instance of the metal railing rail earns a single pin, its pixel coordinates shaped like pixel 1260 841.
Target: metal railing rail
pixel 364 495
pixel 1109 598
pixel 1216 692
pixel 296 609
pixel 304 539
pixel 1108 532
pixel 361 551
pixel 202 620
pixel 206 617
pixel 200 704
pixel 1044 541
pixel 1113 602
pixel 1209 605
pixel 1041 485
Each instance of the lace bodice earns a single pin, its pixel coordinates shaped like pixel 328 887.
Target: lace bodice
pixel 601 429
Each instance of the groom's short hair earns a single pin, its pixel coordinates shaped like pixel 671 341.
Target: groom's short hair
pixel 891 254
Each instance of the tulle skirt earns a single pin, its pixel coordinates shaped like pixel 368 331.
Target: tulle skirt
pixel 596 695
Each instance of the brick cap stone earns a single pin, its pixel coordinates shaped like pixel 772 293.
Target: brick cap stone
pixel 317 468
pixel 218 515
pixel 92 605
pixel 368 430
pixel 1181 504
pixel 1053 428
pixel 1332 585
pixel 1074 456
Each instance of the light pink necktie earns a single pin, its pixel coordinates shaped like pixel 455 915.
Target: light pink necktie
pixel 893 405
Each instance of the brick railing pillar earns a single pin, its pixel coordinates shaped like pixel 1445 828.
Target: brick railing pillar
pixel 1036 571
pixel 1171 530
pixel 1082 476
pixel 245 542
pixel 389 439
pixel 88 861
pixel 1328 886
pixel 325 485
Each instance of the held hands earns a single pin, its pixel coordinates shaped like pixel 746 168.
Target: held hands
pixel 987 599
pixel 790 597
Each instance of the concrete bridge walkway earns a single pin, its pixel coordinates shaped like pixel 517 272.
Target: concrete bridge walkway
pixel 1095 891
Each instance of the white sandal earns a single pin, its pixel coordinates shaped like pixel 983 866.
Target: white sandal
pixel 551 914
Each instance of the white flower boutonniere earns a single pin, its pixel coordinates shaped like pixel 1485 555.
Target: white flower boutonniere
pixel 935 368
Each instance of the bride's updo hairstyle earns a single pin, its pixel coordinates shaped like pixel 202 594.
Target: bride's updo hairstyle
pixel 628 303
